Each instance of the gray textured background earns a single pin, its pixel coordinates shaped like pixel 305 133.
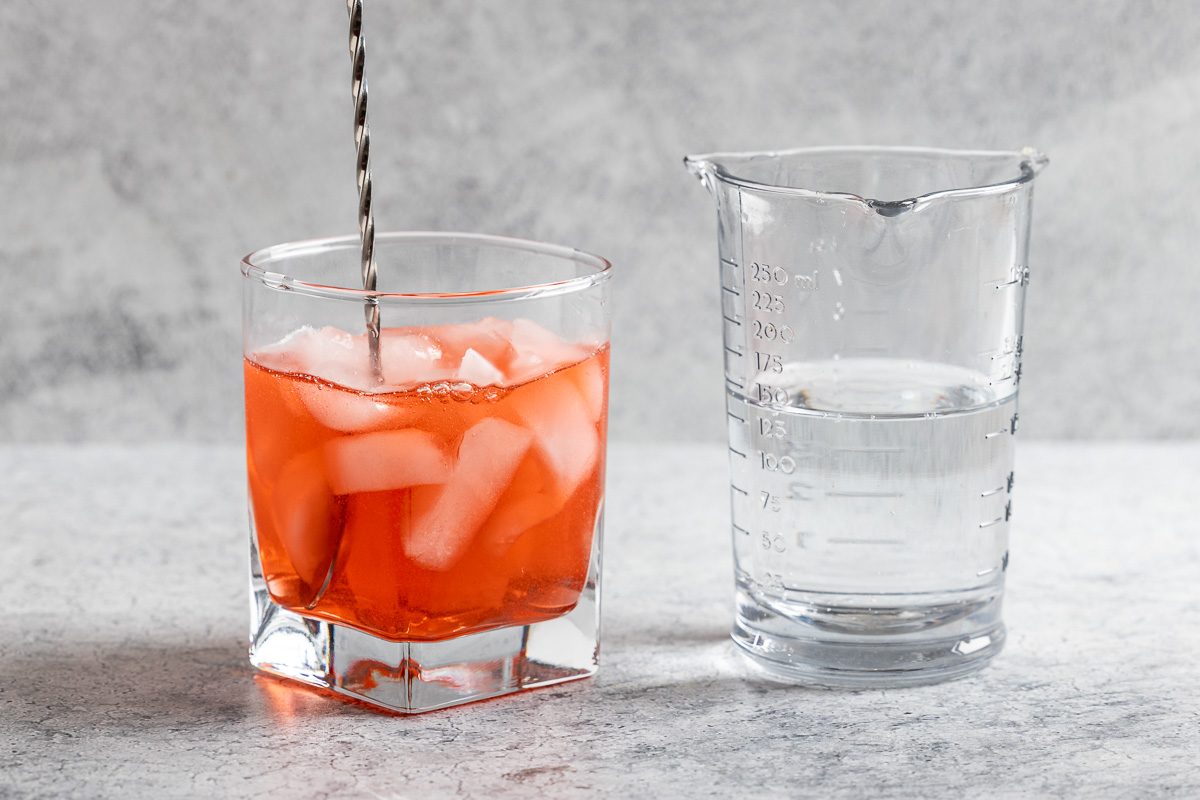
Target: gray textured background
pixel 145 146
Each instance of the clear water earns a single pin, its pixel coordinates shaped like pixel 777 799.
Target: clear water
pixel 883 485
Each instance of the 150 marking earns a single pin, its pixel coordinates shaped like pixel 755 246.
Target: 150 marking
pixel 772 394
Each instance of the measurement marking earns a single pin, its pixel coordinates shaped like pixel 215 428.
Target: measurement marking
pixel 736 452
pixel 994 434
pixel 731 290
pixel 1002 354
pixel 983 572
pixel 841 540
pixel 733 350
pixel 996 521
pixel 998 285
pixel 842 493
pixel 728 318
pixel 739 489
pixel 737 383
pixel 1007 377
pixel 739 528
pixel 735 416
pixel 731 263
pixel 991 492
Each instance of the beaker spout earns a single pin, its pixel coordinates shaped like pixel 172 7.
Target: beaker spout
pixel 702 168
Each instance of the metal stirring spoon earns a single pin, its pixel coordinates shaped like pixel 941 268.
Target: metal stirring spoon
pixel 366 218
pixel 366 221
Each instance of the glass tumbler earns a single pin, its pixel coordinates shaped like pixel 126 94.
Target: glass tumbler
pixel 426 494
pixel 872 306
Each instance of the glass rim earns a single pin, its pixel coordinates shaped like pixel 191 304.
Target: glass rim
pixel 253 267
pixel 1030 161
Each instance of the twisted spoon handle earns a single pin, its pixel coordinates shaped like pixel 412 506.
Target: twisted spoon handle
pixel 362 142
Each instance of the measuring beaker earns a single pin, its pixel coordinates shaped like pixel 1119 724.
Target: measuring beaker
pixel 872 303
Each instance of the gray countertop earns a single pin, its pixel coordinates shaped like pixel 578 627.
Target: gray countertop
pixel 123 670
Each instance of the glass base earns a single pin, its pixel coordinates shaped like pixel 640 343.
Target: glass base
pixel 830 646
pixel 414 677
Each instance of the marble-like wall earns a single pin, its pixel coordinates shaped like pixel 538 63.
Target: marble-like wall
pixel 145 147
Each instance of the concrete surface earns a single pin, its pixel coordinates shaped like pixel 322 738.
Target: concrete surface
pixel 123 671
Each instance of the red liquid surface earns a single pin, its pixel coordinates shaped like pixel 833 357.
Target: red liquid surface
pixel 460 495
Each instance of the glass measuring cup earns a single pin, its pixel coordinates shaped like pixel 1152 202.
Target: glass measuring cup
pixel 872 303
pixel 430 534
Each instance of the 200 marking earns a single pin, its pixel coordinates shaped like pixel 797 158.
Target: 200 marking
pixel 771 332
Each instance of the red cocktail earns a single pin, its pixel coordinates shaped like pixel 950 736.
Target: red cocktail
pixel 459 494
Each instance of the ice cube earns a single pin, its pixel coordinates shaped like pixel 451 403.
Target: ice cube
pixel 538 351
pixel 477 370
pixel 513 518
pixel 328 353
pixel 407 358
pixel 589 380
pixel 411 359
pixel 349 411
pixel 531 498
pixel 490 452
pixel 563 427
pixel 338 357
pixel 384 460
pixel 489 337
pixel 304 513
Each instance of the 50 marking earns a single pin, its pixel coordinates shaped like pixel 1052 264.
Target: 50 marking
pixel 773 542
